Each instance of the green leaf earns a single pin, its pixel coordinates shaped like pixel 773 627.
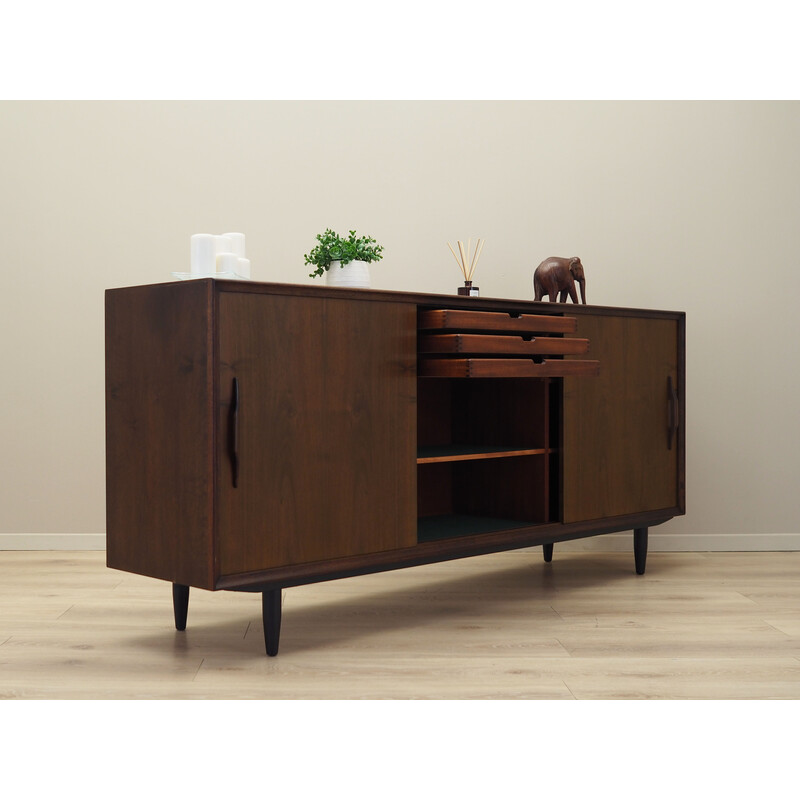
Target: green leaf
pixel 333 247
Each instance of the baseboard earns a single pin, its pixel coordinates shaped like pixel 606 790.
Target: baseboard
pixel 610 542
pixel 52 541
pixel 688 542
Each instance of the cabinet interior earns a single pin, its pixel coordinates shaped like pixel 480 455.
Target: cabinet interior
pixel 486 455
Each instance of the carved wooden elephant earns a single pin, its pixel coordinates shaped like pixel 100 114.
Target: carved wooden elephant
pixel 556 276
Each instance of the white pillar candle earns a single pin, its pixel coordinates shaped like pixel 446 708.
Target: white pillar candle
pixel 237 241
pixel 244 268
pixel 203 254
pixel 224 244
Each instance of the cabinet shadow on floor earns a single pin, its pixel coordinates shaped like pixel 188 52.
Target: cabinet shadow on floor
pixel 352 611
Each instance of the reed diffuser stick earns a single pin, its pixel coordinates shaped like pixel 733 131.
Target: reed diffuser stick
pixel 460 265
pixel 463 259
pixel 466 263
pixel 475 257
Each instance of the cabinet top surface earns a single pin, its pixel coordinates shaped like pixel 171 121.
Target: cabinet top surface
pixel 430 300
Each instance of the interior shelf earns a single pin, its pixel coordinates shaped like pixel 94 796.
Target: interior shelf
pixel 432 455
pixel 451 526
pixel 483 456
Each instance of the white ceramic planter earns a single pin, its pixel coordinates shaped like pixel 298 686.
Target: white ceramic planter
pixel 354 275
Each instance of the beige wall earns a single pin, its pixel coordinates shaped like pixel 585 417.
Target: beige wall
pixel 692 206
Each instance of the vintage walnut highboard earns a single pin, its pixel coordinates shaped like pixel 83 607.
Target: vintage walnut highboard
pixel 262 436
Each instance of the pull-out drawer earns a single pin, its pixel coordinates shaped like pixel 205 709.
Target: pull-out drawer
pixel 479 344
pixel 454 319
pixel 503 368
pixel 455 343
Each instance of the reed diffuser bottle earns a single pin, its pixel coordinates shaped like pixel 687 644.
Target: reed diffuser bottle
pixel 467 263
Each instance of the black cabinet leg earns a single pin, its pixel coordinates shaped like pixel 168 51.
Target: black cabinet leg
pixel 271 614
pixel 547 551
pixel 640 549
pixel 180 604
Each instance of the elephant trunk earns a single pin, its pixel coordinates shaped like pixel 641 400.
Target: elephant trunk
pixel 582 284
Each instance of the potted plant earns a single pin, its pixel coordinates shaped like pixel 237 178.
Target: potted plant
pixel 343 261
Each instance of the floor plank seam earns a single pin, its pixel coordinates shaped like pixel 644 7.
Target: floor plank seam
pixel 754 602
pixel 775 629
pixel 563 646
pixel 199 667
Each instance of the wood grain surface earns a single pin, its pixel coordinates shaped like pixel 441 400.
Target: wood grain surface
pixel 504 368
pixel 499 345
pixel 327 414
pixel 458 319
pixel 616 455
pixel 159 437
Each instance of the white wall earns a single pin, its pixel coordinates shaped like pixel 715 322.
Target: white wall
pixel 679 205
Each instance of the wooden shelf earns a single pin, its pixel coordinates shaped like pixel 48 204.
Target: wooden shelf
pixel 433 455
pixel 451 526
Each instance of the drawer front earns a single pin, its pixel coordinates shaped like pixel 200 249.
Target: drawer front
pixel 479 344
pixel 453 343
pixel 503 368
pixel 454 319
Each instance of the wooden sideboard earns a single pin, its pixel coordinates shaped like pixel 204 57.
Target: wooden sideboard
pixel 262 436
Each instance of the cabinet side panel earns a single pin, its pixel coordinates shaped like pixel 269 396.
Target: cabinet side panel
pixel 616 458
pixel 158 431
pixel 326 429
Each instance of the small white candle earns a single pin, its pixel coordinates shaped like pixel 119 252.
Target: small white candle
pixel 227 262
pixel 203 254
pixel 244 268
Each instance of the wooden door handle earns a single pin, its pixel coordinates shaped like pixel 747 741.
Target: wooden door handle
pixel 234 433
pixel 674 412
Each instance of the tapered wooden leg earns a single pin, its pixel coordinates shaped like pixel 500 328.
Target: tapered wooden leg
pixel 547 551
pixel 271 614
pixel 640 549
pixel 180 604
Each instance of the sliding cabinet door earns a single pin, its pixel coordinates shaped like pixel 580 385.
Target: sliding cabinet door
pixel 317 413
pixel 623 430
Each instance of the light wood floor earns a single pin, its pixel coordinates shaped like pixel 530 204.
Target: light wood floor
pixel 696 626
